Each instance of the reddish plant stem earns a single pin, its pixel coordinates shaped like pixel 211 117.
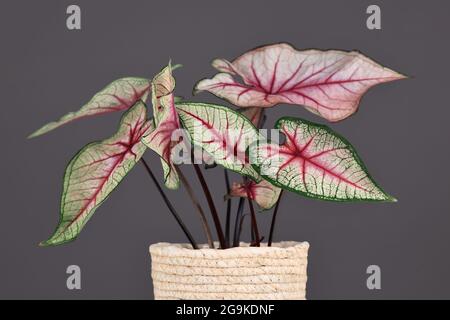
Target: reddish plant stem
pixel 169 205
pixel 211 205
pixel 252 233
pixel 197 205
pixel 228 216
pixel 274 218
pixel 239 216
pixel 238 222
pixel 254 223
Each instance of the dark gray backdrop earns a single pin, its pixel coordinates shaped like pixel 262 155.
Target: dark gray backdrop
pixel 401 132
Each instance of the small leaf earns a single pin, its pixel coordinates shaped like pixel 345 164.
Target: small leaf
pixel 95 172
pixel 117 96
pixel 263 193
pixel 328 83
pixel 162 87
pixel 315 162
pixel 162 139
pixel 221 132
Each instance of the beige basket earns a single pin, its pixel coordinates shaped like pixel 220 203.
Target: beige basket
pixel 277 272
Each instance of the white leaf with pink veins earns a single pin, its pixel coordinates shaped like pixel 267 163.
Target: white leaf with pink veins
pixel 328 83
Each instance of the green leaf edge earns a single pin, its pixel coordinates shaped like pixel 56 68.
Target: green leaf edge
pixel 40 132
pixel 217 106
pixel 357 158
pixel 48 242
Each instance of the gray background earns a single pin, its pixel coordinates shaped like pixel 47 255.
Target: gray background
pixel 401 132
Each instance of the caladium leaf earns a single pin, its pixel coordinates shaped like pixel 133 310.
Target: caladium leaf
pixel 315 162
pixel 221 132
pixel 96 171
pixel 263 193
pixel 117 96
pixel 163 139
pixel 328 83
pixel 162 87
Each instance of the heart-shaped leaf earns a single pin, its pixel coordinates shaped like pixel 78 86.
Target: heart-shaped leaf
pixel 95 172
pixel 117 96
pixel 263 193
pixel 221 132
pixel 163 139
pixel 328 83
pixel 315 162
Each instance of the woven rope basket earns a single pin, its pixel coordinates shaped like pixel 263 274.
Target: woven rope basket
pixel 277 272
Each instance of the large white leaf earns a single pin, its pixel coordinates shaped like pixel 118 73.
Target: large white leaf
pixel 222 132
pixel 328 83
pixel 315 162
pixel 95 172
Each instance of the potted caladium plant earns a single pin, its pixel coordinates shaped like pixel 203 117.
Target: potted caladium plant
pixel 313 161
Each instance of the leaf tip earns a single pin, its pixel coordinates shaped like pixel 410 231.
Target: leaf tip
pixel 196 89
pixel 402 76
pixel 35 134
pixel 54 241
pixel 395 75
pixel 392 199
pixel 44 243
pixel 217 64
pixel 176 66
pixel 31 136
pixel 200 86
pixel 389 198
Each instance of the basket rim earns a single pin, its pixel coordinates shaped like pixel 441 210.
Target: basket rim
pixel 185 249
